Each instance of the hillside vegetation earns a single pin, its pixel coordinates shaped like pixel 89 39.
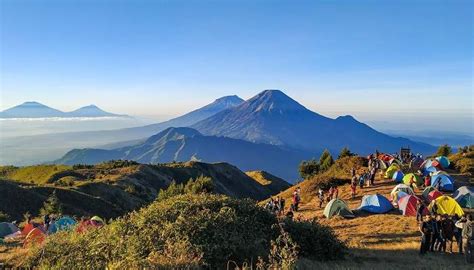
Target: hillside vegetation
pixel 190 231
pixel 114 188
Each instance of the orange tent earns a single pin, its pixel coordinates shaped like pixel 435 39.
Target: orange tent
pixel 35 237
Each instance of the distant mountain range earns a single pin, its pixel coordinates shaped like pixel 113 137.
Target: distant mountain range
pixel 185 144
pixel 269 132
pixel 274 118
pixel 33 109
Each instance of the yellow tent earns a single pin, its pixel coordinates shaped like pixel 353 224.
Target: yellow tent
pixel 391 170
pixel 408 178
pixel 447 205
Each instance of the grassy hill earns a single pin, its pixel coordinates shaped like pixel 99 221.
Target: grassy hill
pixel 388 241
pixel 114 188
pixel 266 179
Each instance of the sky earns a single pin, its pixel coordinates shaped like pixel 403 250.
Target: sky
pixel 402 64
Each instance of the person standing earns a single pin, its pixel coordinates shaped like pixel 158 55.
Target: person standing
pixel 434 233
pixel 457 233
pixel 336 192
pixel 420 208
pixel 353 172
pixel 321 197
pixel 467 226
pixel 425 229
pixel 353 186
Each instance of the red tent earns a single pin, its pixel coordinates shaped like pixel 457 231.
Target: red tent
pixel 407 204
pixel 433 195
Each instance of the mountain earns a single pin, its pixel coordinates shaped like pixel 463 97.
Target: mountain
pixel 40 148
pixel 33 109
pixel 114 188
pixel 185 144
pixel 90 111
pixel 274 118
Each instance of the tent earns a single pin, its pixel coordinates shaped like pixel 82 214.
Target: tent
pixel 97 221
pixel 443 161
pixel 435 163
pixel 34 237
pixel 427 191
pixel 64 223
pixel 395 161
pixel 433 195
pixel 398 195
pixel 27 229
pixel 375 204
pixel 465 196
pixel 446 205
pixel 381 164
pixel 416 163
pixel 401 187
pixel 337 207
pixel 7 228
pixel 416 179
pixel 398 176
pixel 442 182
pixel 429 170
pixel 440 172
pixel 385 157
pixel 391 170
pixel 408 204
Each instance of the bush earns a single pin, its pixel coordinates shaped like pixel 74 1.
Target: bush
pixel 52 205
pixel 444 150
pixel 308 168
pixel 202 184
pixel 4 217
pixel 325 161
pixel 192 230
pixel 345 152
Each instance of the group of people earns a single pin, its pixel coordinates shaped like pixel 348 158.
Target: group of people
pixel 276 206
pixel 332 193
pixel 437 230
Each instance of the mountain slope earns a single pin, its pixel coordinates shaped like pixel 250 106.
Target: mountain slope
pixel 114 188
pixel 273 117
pixel 31 109
pixel 90 111
pixel 184 144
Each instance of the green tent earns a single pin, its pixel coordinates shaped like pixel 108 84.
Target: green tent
pixel 337 207
pixel 427 191
pixel 465 196
pixel 416 179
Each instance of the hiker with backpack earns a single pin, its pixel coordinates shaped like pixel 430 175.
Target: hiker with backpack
pixel 362 181
pixel 353 186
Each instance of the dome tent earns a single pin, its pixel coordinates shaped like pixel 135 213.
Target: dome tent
pixel 65 223
pixel 433 195
pixel 442 182
pixel 427 191
pixel 465 196
pixel 408 205
pixel 376 203
pixel 401 187
pixel 443 161
pixel 446 205
pixel 429 170
pixel 34 237
pixel 398 195
pixel 416 179
pixel 416 163
pixel 7 228
pixel 337 207
pixel 398 176
pixel 391 170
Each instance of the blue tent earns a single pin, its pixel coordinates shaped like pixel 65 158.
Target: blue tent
pixel 442 182
pixel 398 176
pixel 375 204
pixel 427 170
pixel 64 223
pixel 444 161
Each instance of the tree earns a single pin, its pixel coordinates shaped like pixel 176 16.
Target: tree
pixel 52 205
pixel 309 168
pixel 444 150
pixel 202 184
pixel 325 161
pixel 345 152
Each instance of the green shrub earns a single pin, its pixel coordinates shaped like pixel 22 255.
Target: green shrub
pixel 191 230
pixel 4 217
pixel 308 169
pixel 52 205
pixel 444 150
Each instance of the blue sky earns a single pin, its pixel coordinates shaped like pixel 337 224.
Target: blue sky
pixel 405 62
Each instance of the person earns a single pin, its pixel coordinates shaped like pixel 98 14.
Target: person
pixel 289 214
pixel 353 172
pixel 448 232
pixel 321 197
pixel 442 233
pixel 434 233
pixel 361 181
pixel 353 186
pixel 467 226
pixel 331 193
pixel 296 200
pixel 282 205
pixel 427 181
pixel 420 208
pixel 46 220
pixel 336 192
pixel 425 229
pixel 457 233
pixel 373 172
